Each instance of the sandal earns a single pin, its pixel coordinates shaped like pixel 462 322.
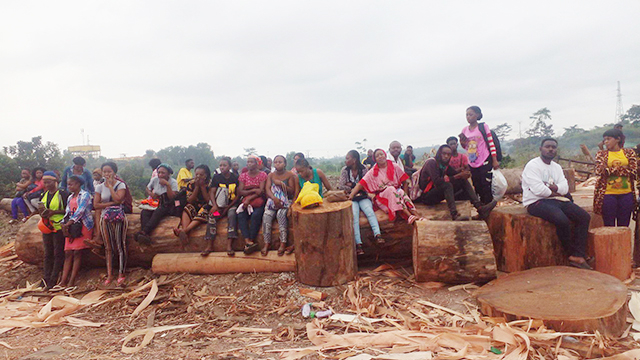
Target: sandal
pixel 56 288
pixel 206 252
pixel 120 281
pixel 231 253
pixel 251 248
pixel 289 250
pixel 282 249
pixel 580 265
pixel 379 241
pixel 412 219
pixel 359 250
pixel 265 250
pixel 107 282
pixel 176 231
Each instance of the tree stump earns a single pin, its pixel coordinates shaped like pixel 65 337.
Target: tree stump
pixel 221 263
pixel 325 246
pixel 611 247
pixel 565 299
pixel 453 252
pixel 570 175
pixel 522 241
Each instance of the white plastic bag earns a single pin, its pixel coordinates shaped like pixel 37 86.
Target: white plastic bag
pixel 498 185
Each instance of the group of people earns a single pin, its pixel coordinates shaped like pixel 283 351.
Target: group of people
pixel 73 204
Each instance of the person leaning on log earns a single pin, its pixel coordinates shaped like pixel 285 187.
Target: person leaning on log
pixel 350 176
pixel 196 211
pixel 616 168
pixel 439 181
pixel 164 189
pixel 280 187
pixel 315 176
pixel 251 209
pixel 390 185
pixel 52 208
pixel 18 201
pixel 545 194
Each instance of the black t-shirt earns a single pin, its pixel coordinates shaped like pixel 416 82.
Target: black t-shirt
pixel 218 180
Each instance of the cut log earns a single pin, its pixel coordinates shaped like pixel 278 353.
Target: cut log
pixel 565 299
pixel 522 241
pixel 570 175
pixel 221 263
pixel 5 204
pixel 611 248
pixel 636 245
pixel 453 252
pixel 514 180
pixel 325 246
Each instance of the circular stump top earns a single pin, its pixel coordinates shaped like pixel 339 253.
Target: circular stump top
pixel 325 207
pixel 610 230
pixel 565 298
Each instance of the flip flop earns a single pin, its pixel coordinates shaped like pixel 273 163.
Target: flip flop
pixel 379 240
pixel 206 253
pixel 264 252
pixel 120 281
pixel 290 250
pixel 578 265
pixel 282 249
pixel 251 248
pixel 56 288
pixel 231 253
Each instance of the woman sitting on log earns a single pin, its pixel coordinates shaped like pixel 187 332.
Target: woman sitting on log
pixel 389 183
pixel 52 208
pixel 224 202
pixel 164 189
pixel 250 212
pixel 616 169
pixel 350 176
pixel 77 228
pixel 22 187
pixel 312 175
pixel 196 212
pixel 107 202
pixel 280 187
pixel 32 197
pixel 439 181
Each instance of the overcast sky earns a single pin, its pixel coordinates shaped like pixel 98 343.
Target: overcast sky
pixel 306 76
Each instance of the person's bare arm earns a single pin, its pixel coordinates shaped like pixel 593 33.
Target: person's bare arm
pixel 212 195
pixel 325 181
pixel 355 190
pixel 193 198
pixel 99 205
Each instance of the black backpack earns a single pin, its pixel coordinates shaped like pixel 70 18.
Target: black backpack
pixel 496 141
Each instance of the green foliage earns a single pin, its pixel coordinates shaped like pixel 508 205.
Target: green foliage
pixel 573 130
pixel 632 115
pixel 34 153
pixel 9 175
pixel 539 127
pixel 502 131
pixel 133 174
pixel 361 146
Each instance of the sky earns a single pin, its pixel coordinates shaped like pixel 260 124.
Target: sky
pixel 310 76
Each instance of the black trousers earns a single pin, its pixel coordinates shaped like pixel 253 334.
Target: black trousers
pixel 563 214
pixel 481 178
pixel 53 256
pixel 446 191
pixel 149 219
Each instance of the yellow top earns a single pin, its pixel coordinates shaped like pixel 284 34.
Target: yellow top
pixel 183 178
pixel 617 184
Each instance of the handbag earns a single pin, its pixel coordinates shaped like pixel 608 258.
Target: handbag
pixel 113 214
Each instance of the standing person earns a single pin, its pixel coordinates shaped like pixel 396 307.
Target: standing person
pixel 78 212
pixel 616 169
pixel 350 176
pixel 280 188
pixel 196 212
pixel 313 175
pixel 250 212
pixel 22 187
pixel 107 202
pixel 545 194
pixel 185 175
pixel 224 200
pixel 164 189
pixel 78 169
pixel 52 209
pixel 438 182
pixel 369 161
pixel 389 183
pixel 482 154
pixel 395 149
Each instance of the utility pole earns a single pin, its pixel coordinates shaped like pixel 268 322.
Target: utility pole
pixel 619 107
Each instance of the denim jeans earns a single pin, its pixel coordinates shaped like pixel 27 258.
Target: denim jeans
pixel 18 203
pixel 562 214
pixel 617 207
pixel 53 256
pixel 250 224
pixel 367 208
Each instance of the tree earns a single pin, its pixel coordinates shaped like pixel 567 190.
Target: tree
pixel 502 130
pixel 572 130
pixel 250 151
pixel 539 127
pixel 30 154
pixel 632 115
pixel 361 146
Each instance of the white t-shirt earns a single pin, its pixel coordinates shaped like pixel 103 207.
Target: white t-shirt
pixel 158 189
pixel 105 193
pixel 535 178
pixel 393 160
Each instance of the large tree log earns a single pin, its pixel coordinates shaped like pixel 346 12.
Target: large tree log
pixel 5 204
pixel 397 234
pixel 221 263
pixel 611 248
pixel 325 246
pixel 522 241
pixel 453 252
pixel 565 299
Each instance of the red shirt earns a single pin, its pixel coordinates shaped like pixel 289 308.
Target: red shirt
pixel 459 162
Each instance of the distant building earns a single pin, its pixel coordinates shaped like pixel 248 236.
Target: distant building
pixel 85 150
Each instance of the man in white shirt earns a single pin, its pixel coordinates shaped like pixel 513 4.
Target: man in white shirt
pixel 395 149
pixel 544 194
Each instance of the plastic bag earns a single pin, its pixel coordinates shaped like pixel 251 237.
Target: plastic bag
pixel 498 185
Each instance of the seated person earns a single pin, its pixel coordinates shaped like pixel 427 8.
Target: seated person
pixel 544 194
pixel 22 187
pixel 438 181
pixel 185 175
pixel 280 187
pixel 32 197
pixel 196 212
pixel 460 163
pixel 307 173
pixel 369 161
pixel 395 149
pixel 408 158
pixel 164 189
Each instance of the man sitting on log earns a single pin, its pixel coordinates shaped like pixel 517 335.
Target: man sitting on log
pixel 440 181
pixel 545 194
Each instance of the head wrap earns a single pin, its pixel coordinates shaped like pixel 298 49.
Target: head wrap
pixel 77 178
pixel 390 168
pixel 166 166
pixel 49 175
pixel 256 158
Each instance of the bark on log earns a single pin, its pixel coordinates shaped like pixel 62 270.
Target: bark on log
pixel 522 241
pixel 453 252
pixel 565 299
pixel 221 263
pixel 570 175
pixel 5 204
pixel 514 180
pixel 325 246
pixel 611 248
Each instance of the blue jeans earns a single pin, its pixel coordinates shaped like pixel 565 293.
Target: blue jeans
pixel 250 224
pixel 18 203
pixel 367 208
